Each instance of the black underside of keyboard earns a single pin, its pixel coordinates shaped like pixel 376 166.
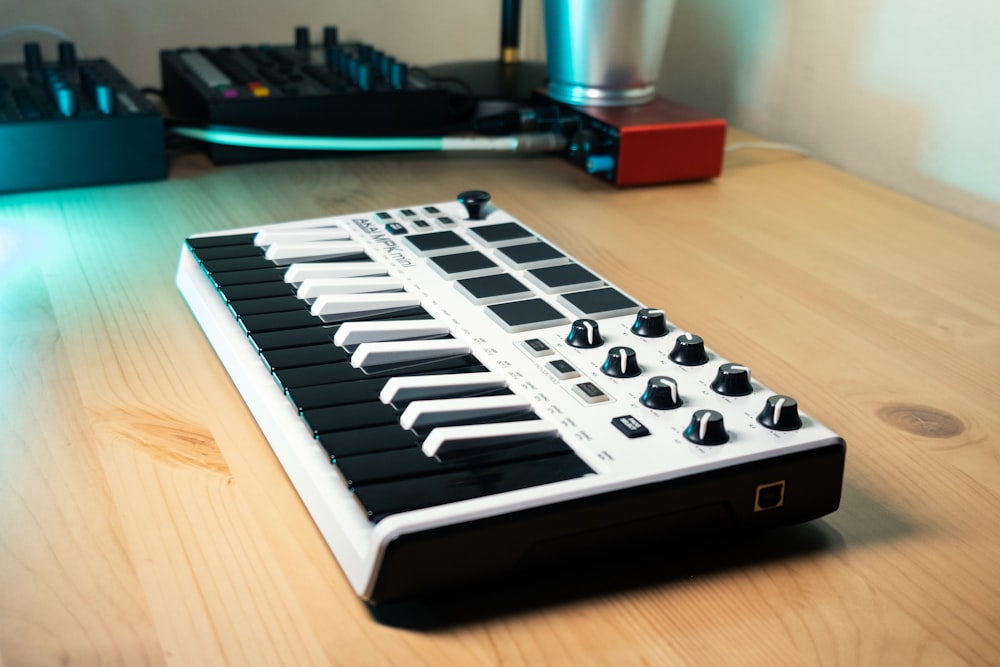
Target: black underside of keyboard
pixel 654 517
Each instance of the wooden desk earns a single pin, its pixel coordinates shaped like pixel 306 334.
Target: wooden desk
pixel 144 520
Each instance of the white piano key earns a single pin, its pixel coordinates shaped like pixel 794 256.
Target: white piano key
pixel 331 306
pixel 446 441
pixel 298 273
pixel 268 237
pixel 356 333
pixel 425 414
pixel 368 355
pixel 288 253
pixel 404 389
pixel 314 287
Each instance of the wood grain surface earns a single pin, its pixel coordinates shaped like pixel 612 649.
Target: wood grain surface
pixel 145 521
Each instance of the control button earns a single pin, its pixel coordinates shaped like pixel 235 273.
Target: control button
pixel 474 202
pixel 621 363
pixel 505 233
pixel 562 369
pixel 689 350
pixel 436 243
pixel 603 302
pixel 492 289
pixel 525 315
pixel 780 413
pixel 395 228
pixel 585 334
pixel 589 392
pixel 706 428
pixel 661 394
pixel 630 426
pixel 732 380
pixel 563 278
pixel 650 323
pixel 462 265
pixel 531 255
pixel 536 347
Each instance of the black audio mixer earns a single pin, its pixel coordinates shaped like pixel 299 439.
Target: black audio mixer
pixel 326 88
pixel 74 122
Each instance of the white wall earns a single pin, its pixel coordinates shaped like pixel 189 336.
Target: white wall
pixel 903 92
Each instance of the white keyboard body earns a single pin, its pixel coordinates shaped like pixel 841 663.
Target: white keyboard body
pixel 623 468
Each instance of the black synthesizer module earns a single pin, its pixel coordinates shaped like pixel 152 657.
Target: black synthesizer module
pixel 326 88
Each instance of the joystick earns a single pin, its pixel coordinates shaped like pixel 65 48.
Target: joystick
pixel 474 202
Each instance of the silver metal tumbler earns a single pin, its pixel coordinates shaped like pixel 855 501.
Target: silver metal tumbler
pixel 605 52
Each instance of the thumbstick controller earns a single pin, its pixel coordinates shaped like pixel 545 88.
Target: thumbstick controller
pixel 475 202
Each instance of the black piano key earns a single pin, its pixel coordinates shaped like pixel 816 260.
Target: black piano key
pixel 367 440
pixel 362 469
pixel 276 340
pixel 273 304
pixel 349 417
pixel 293 378
pixel 382 499
pixel 309 355
pixel 256 291
pixel 237 264
pixel 224 278
pixel 293 319
pixel 341 393
pixel 228 252
pixel 198 243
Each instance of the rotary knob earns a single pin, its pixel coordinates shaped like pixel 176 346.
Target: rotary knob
pixel 780 413
pixel 689 350
pixel 661 394
pixel 621 363
pixel 732 380
pixel 650 323
pixel 585 334
pixel 474 202
pixel 706 428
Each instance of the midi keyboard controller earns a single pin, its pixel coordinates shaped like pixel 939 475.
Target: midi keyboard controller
pixel 454 397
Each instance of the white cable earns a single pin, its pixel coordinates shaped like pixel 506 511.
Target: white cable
pixel 256 139
pixel 37 27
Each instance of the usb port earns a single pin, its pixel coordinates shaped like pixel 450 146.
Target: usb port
pixel 769 496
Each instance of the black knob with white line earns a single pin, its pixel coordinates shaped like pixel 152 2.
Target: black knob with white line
pixel 661 394
pixel 650 323
pixel 706 428
pixel 621 363
pixel 584 333
pixel 732 380
pixel 780 413
pixel 475 202
pixel 689 350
